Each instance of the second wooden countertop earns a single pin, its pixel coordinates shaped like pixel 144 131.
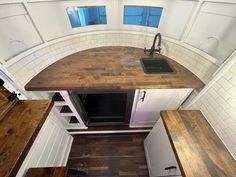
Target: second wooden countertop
pixel 117 68
pixel 18 130
pixel 198 149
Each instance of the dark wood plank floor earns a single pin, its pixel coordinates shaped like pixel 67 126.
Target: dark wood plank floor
pixel 110 155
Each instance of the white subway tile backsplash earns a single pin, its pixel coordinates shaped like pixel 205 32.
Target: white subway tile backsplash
pixel 228 75
pixel 223 93
pixel 233 81
pixel 221 112
pixel 195 63
pixel 232 92
pixel 232 113
pixel 233 69
pixel 224 104
pixel 232 102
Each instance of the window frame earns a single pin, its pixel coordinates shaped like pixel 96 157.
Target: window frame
pixel 145 7
pixel 85 7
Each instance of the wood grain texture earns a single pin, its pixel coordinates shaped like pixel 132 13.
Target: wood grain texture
pixel 109 68
pixel 47 172
pixel 198 149
pixel 109 155
pixel 18 131
pixel 5 104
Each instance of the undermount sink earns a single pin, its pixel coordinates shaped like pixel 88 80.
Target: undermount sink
pixel 156 66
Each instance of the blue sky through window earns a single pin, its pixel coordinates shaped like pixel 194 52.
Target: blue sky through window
pixel 84 16
pixel 144 16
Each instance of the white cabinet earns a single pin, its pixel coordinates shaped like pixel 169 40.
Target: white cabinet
pixel 149 102
pixel 50 148
pixel 159 154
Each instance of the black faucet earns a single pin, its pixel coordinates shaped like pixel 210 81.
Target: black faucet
pixel 153 49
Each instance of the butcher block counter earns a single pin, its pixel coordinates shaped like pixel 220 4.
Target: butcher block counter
pixel 18 130
pixel 197 147
pixel 117 68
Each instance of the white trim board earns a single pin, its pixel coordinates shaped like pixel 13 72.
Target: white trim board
pixel 109 132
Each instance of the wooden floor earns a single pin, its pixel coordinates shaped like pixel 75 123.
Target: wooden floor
pixel 109 155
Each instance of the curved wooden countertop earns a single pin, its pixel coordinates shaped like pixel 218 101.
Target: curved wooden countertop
pixel 198 149
pixel 18 130
pixel 115 68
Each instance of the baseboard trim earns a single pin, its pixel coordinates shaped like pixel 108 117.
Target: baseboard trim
pixel 109 131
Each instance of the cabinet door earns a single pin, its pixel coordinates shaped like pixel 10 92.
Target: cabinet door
pixel 159 154
pixel 151 101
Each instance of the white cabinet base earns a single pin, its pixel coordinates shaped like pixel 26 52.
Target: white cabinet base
pixel 159 153
pixel 149 102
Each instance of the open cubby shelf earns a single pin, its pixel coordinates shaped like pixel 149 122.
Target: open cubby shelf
pixel 57 97
pixel 65 109
pixel 73 120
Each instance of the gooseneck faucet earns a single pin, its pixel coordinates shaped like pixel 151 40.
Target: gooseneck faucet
pixel 153 48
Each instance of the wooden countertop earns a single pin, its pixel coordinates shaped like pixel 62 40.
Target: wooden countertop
pixel 47 172
pixel 5 103
pixel 115 68
pixel 18 130
pixel 197 147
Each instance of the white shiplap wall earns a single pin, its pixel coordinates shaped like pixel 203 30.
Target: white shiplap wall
pixel 218 104
pixel 51 147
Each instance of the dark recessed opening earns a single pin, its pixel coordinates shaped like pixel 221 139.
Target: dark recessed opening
pixel 73 120
pixel 65 109
pixel 156 66
pixel 57 97
pixel 109 108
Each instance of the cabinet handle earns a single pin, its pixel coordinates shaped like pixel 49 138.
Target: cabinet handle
pixel 170 167
pixel 144 94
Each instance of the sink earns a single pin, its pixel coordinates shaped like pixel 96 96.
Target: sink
pixel 156 66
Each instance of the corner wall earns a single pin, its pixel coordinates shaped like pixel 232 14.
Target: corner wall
pixel 218 104
pixel 27 67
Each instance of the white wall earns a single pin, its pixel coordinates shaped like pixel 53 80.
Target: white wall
pixel 176 17
pixel 17 32
pixel 214 29
pixel 52 23
pixel 51 147
pixel 218 105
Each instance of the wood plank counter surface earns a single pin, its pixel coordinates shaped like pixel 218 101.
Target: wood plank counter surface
pixel 197 147
pixel 117 68
pixel 5 103
pixel 18 130
pixel 47 172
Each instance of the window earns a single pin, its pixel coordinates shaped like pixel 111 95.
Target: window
pixel 144 16
pixel 84 16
